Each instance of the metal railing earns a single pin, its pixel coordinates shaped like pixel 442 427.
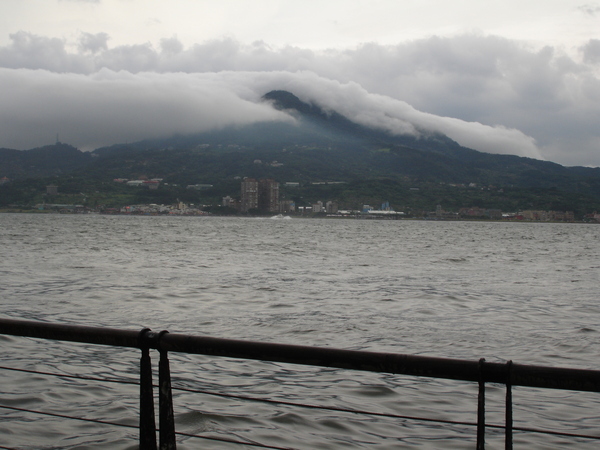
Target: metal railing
pixel 481 372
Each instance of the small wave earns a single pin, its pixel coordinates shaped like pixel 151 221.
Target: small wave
pixel 291 418
pixel 375 391
pixel 456 259
pixel 195 420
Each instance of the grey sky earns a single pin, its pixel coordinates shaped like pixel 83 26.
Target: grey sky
pixel 528 86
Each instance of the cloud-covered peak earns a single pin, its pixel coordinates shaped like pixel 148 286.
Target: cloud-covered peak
pixel 485 92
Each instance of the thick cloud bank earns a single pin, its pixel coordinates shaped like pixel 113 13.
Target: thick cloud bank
pixel 486 93
pixel 113 107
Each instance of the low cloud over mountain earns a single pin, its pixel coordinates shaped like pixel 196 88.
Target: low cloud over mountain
pixel 484 92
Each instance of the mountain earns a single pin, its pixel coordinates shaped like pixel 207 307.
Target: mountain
pixel 333 123
pixel 320 146
pixel 43 161
pixel 328 146
pixel 313 128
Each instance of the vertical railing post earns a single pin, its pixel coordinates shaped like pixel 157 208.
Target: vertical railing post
pixel 481 409
pixel 165 403
pixel 147 422
pixel 508 438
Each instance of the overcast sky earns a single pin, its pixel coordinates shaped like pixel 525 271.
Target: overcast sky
pixel 517 77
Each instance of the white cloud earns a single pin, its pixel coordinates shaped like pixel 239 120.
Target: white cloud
pixel 488 93
pixel 399 117
pixel 111 107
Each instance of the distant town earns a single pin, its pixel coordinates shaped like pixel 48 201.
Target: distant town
pixel 340 179
pixel 262 197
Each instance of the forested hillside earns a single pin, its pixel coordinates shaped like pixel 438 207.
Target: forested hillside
pixel 325 155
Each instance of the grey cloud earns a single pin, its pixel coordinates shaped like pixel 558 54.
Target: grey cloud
pixel 30 51
pixel 131 58
pixel 171 46
pixel 107 107
pixel 493 81
pixel 591 51
pixel 33 52
pixel 590 9
pixel 486 92
pixel 93 43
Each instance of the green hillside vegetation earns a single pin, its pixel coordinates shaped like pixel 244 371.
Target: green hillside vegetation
pixel 412 173
pixel 370 177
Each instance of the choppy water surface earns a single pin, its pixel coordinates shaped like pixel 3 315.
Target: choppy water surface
pixel 522 292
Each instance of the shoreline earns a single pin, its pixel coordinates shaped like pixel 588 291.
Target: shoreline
pixel 345 217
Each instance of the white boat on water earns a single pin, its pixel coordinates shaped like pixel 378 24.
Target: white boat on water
pixel 281 217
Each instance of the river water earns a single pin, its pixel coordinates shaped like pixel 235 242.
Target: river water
pixel 526 292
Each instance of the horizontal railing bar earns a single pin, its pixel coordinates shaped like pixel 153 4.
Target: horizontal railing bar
pixel 72 333
pixel 432 367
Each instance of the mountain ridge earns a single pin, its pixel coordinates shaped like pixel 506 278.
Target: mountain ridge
pixel 286 101
pixel 321 146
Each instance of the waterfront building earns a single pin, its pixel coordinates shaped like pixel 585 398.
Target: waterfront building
pixel 249 194
pixel 268 195
pixel 262 195
pixel 228 201
pixel 287 206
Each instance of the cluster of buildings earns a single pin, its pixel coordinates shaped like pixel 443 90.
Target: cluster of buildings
pixel 154 183
pixel 263 196
pixel 593 217
pixel 260 195
pixel 496 214
pixel 178 209
pixel 547 216
pixel 320 207
pixel 150 184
